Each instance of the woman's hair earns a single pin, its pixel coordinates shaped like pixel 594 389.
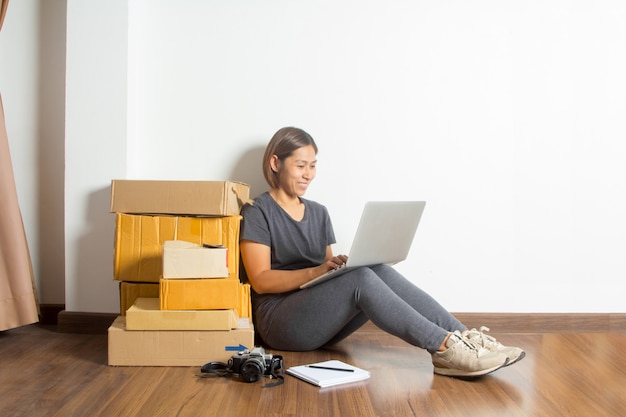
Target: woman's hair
pixel 282 144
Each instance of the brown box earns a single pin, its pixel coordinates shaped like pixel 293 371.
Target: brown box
pixel 145 314
pixel 175 348
pixel 183 259
pixel 139 239
pixel 205 198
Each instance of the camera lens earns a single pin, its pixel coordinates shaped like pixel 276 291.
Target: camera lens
pixel 252 370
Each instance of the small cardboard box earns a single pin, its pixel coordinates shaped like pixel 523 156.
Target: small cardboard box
pixel 173 347
pixel 182 259
pixel 199 294
pixel 204 198
pixel 145 314
pixel 130 291
pixel 139 239
pixel 205 294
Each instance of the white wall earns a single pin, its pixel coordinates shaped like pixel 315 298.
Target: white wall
pixel 506 117
pixel 96 137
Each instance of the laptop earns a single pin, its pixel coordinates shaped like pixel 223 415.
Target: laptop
pixel 384 236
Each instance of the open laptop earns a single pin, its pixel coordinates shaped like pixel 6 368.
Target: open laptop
pixel 384 236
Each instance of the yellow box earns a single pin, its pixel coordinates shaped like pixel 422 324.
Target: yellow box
pixel 205 294
pixel 199 294
pixel 130 291
pixel 173 347
pixel 205 198
pixel 245 301
pixel 145 314
pixel 139 239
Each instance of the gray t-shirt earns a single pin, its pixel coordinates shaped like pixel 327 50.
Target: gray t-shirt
pixel 293 244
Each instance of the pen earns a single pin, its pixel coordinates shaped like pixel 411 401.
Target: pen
pixel 329 368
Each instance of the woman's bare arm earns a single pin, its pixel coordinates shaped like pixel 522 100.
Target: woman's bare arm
pixel 257 261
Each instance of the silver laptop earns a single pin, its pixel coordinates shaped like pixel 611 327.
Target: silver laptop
pixel 384 236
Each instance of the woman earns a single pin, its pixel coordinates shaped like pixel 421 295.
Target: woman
pixel 286 241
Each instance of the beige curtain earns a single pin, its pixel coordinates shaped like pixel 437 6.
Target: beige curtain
pixel 18 297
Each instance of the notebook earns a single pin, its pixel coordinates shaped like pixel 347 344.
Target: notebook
pixel 384 236
pixel 328 373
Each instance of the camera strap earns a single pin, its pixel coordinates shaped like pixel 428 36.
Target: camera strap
pixel 277 370
pixel 221 369
pixel 214 368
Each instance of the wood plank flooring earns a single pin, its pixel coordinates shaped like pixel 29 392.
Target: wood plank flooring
pixel 47 373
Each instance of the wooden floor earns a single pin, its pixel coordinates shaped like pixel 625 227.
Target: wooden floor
pixel 47 373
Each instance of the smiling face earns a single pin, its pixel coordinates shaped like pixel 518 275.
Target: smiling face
pixel 296 171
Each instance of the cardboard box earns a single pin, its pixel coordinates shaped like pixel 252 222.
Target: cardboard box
pixel 245 301
pixel 205 294
pixel 130 291
pixel 205 198
pixel 199 294
pixel 175 348
pixel 139 239
pixel 182 259
pixel 145 314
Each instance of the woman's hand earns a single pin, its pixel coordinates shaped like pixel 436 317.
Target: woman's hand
pixel 336 262
pixel 331 262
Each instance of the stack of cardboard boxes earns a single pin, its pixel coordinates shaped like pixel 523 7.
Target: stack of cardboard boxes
pixel 176 255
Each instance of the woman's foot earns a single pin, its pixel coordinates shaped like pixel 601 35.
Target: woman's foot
pixel 486 341
pixel 464 358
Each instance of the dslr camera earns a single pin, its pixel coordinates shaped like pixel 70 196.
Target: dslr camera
pixel 252 365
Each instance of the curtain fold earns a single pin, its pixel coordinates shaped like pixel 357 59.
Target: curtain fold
pixel 18 296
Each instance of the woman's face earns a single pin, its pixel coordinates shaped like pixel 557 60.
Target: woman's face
pixel 296 171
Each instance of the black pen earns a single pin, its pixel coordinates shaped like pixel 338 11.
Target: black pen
pixel 329 368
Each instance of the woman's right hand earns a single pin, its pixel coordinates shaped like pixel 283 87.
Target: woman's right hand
pixel 333 263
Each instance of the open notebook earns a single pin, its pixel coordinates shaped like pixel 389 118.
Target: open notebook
pixel 328 373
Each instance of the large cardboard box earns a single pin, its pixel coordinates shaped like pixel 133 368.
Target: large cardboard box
pixel 182 259
pixel 139 239
pixel 145 314
pixel 130 291
pixel 175 348
pixel 205 198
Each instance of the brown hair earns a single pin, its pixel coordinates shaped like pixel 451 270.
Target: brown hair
pixel 282 144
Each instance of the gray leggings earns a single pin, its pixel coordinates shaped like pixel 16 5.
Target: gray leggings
pixel 327 313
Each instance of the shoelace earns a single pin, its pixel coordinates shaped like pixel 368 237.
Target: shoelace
pixel 481 334
pixel 470 345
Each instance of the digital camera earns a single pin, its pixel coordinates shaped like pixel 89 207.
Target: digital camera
pixel 252 365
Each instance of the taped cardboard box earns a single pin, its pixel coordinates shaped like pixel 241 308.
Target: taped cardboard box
pixel 245 301
pixel 175 348
pixel 182 259
pixel 145 314
pixel 205 198
pixel 205 294
pixel 139 239
pixel 130 291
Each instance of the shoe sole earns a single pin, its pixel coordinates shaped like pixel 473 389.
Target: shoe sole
pixel 519 358
pixel 468 374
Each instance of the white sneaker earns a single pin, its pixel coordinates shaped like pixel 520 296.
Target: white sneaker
pixel 486 341
pixel 464 358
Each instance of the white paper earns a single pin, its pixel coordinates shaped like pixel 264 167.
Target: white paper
pixel 327 377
